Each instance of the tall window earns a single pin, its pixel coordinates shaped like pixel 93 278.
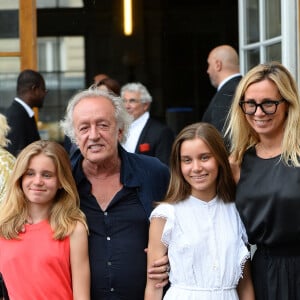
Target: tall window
pixel 17 45
pixel 58 3
pixel 268 32
pixel 61 62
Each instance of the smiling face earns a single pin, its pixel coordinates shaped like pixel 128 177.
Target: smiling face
pixel 199 168
pixel 96 129
pixel 40 182
pixel 270 126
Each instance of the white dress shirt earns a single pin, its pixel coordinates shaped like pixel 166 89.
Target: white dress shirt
pixel 26 107
pixel 135 131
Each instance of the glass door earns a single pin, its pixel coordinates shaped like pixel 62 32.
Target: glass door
pixel 268 32
pixel 17 44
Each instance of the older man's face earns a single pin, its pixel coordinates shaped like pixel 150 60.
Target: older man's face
pixel 133 104
pixel 96 129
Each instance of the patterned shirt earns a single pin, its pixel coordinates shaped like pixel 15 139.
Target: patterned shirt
pixel 7 161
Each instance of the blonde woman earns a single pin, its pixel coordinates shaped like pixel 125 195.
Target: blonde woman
pixel 264 127
pixel 6 159
pixel 43 234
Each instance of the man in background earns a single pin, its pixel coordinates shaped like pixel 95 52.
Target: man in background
pixel 31 91
pixel 224 74
pixel 99 77
pixel 146 135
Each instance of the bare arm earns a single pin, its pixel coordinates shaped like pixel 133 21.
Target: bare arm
pixel 235 168
pixel 156 250
pixel 159 271
pixel 245 287
pixel 80 266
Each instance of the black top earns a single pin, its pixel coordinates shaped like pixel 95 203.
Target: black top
pixel 115 235
pixel 268 200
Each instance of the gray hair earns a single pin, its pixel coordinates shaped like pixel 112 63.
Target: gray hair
pixel 123 119
pixel 137 87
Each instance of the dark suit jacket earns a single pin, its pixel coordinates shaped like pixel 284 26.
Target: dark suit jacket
pixel 156 139
pixel 219 106
pixel 23 128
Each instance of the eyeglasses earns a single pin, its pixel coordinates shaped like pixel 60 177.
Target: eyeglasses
pixel 269 107
pixel 131 101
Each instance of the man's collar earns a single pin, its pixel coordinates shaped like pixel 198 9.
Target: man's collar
pixel 28 109
pixel 227 79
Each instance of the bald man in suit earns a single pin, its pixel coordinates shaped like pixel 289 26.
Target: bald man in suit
pixel 224 74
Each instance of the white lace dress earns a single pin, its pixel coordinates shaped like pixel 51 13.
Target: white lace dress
pixel 206 248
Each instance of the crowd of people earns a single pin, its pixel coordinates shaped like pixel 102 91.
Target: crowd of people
pixel 128 210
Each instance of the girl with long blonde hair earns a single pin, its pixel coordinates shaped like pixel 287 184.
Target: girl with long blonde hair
pixel 43 233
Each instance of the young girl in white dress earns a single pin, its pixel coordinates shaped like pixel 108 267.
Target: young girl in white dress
pixel 198 225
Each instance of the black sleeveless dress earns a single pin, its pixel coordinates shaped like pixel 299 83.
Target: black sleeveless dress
pixel 268 200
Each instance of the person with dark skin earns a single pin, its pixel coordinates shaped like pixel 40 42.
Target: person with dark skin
pixel 31 91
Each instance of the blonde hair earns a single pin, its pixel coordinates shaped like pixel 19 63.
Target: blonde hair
pixel 65 211
pixel 239 131
pixel 179 189
pixel 4 131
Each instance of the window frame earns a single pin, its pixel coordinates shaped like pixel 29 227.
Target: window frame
pixel 288 37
